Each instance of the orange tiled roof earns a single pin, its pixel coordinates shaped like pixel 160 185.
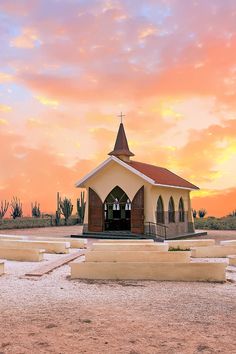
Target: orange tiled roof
pixel 161 175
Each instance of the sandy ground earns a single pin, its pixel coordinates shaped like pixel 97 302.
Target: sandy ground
pixel 54 314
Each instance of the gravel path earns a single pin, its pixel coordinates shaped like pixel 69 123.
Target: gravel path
pixel 54 314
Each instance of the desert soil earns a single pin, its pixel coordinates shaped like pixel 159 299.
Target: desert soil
pixel 54 314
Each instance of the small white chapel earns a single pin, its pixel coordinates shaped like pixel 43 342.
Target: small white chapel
pixel 128 196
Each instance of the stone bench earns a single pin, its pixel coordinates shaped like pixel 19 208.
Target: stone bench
pixel 214 272
pixel 213 251
pixel 19 254
pixel 232 260
pixel 74 242
pixel 137 256
pixel 1 267
pixel 130 247
pixel 187 244
pixel 48 246
pixel 228 243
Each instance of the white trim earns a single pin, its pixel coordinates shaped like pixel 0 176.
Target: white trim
pixel 81 182
pixel 178 187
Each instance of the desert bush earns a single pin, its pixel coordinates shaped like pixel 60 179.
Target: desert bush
pixel 30 222
pixel 212 223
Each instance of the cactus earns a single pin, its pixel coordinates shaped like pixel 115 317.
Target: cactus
pixel 81 207
pixel 35 209
pixel 3 208
pixel 66 208
pixel 58 211
pixel 16 208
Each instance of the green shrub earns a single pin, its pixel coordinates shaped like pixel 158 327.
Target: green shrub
pixel 212 223
pixel 174 249
pixel 31 222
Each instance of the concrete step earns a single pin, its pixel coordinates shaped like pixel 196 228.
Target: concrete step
pixel 117 236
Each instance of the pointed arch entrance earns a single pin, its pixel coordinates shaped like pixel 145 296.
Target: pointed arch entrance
pixel 117 210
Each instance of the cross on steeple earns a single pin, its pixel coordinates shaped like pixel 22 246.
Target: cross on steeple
pixel 121 148
pixel 121 115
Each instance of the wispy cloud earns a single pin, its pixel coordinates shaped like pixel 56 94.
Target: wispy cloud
pixel 68 68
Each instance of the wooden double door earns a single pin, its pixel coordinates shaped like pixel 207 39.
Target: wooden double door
pixel 96 213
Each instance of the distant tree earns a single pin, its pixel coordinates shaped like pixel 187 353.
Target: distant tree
pixel 66 208
pixel 16 208
pixel 35 210
pixel 3 208
pixel 202 213
pixel 194 213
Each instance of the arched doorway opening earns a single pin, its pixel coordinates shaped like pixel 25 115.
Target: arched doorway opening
pixel 117 210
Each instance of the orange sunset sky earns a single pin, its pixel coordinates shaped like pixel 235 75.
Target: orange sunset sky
pixel 67 68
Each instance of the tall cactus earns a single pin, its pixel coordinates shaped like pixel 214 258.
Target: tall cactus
pixel 81 207
pixel 16 208
pixel 3 208
pixel 66 208
pixel 58 211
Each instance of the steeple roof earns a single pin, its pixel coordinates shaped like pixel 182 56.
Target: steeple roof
pixel 121 145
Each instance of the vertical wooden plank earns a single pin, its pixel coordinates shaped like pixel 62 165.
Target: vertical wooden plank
pixel 137 212
pixel 95 215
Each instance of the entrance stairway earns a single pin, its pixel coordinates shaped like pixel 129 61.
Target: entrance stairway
pixel 117 235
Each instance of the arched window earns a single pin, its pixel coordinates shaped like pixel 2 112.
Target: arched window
pixel 160 211
pixel 171 210
pixel 181 210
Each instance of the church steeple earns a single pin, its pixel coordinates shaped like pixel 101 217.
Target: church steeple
pixel 121 148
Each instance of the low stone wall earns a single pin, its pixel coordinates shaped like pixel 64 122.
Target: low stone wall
pixel 74 242
pixel 186 244
pixel 130 247
pixel 18 254
pixel 213 251
pixel 214 272
pixel 48 246
pixel 137 256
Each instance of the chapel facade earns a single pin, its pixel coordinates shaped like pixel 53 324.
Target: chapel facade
pixel 127 195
